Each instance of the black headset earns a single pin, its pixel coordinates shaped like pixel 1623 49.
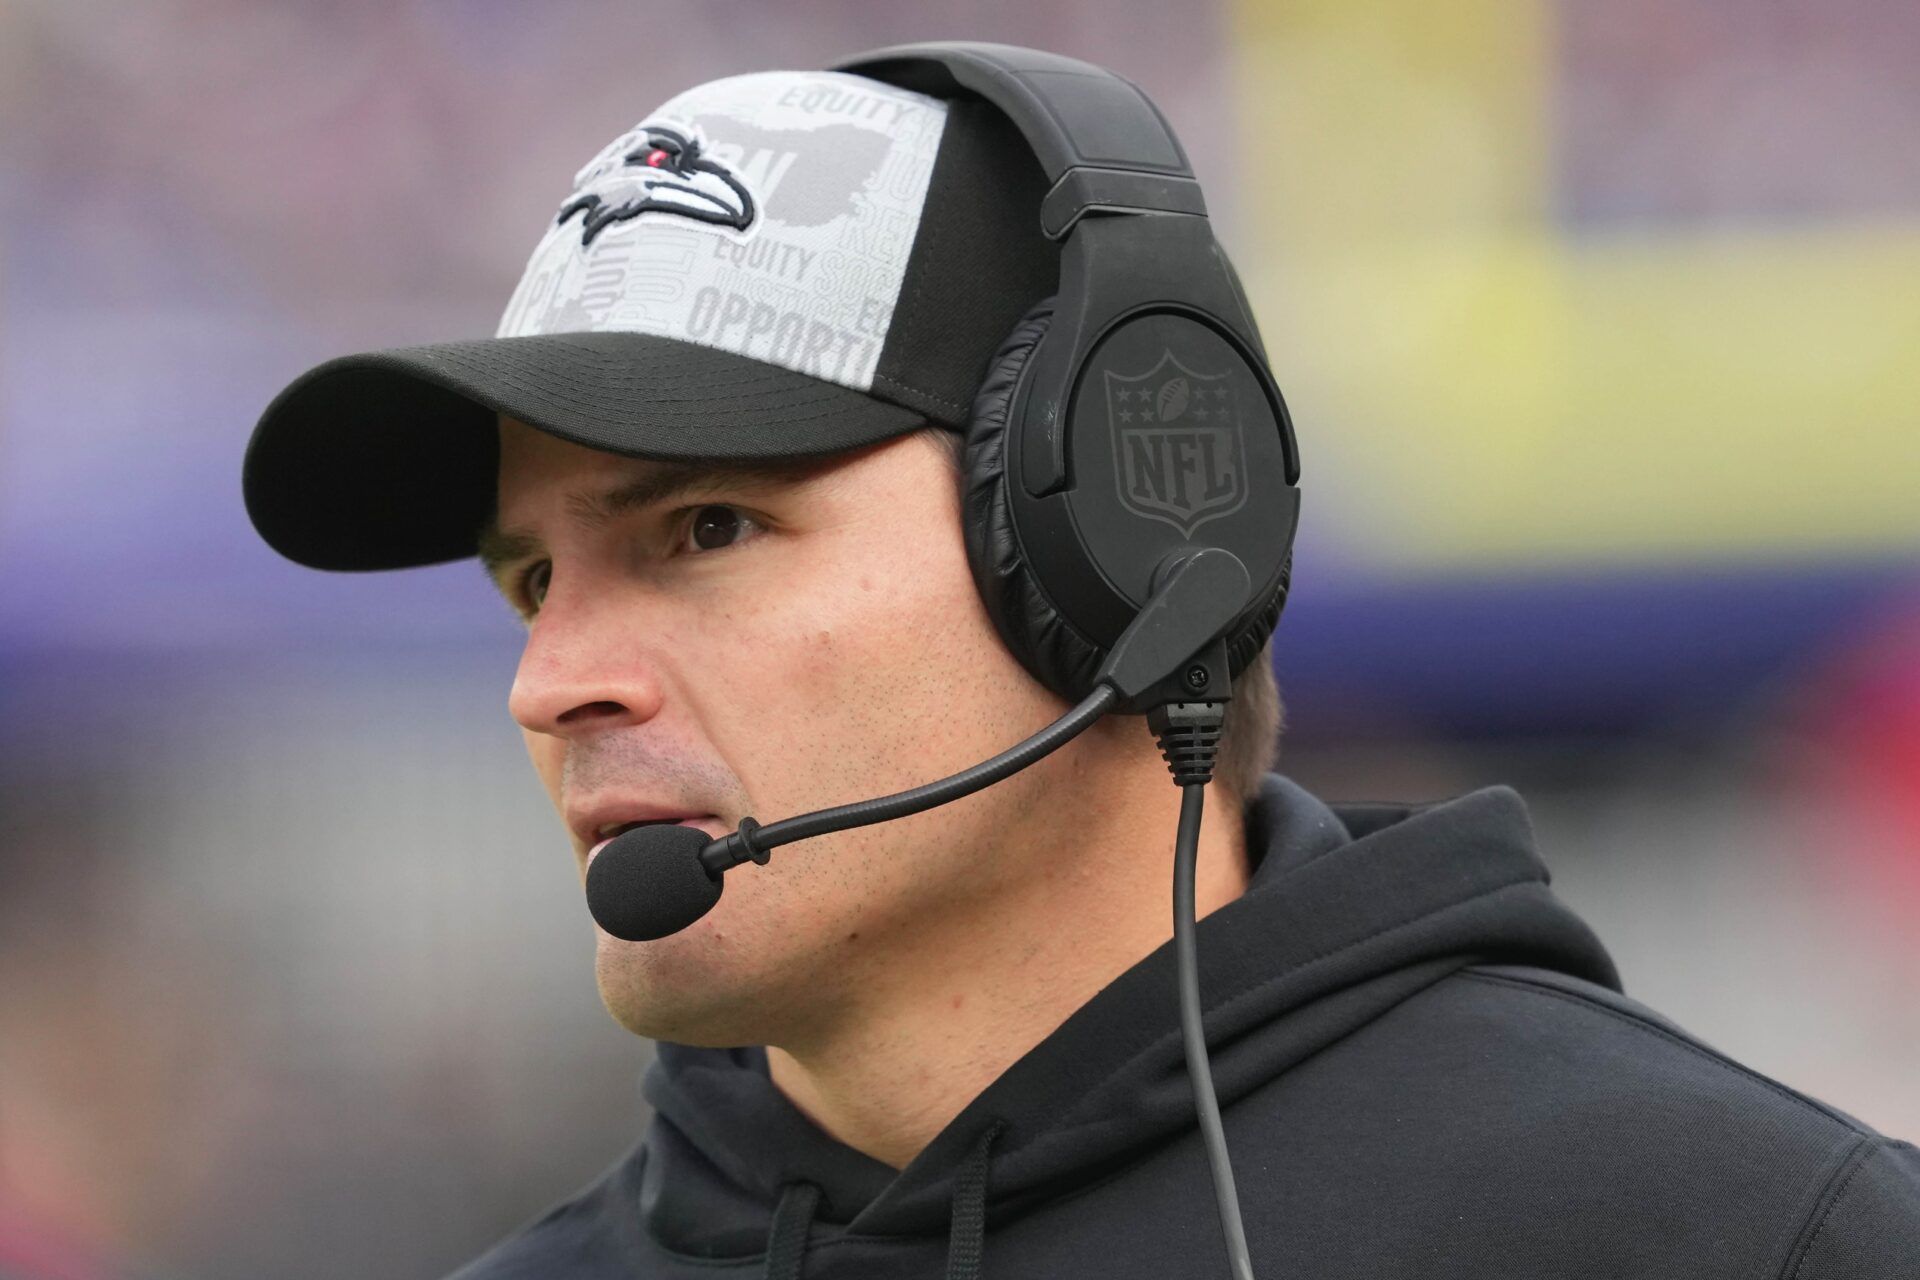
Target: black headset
pixel 1131 419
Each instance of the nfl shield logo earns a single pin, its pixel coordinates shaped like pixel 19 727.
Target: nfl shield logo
pixel 1176 444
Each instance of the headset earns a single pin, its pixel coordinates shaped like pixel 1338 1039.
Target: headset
pixel 1131 495
pixel 1069 513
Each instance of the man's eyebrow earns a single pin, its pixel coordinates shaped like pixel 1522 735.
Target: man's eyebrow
pixel 499 547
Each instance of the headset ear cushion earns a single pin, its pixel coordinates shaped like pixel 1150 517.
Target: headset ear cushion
pixel 1055 654
pixel 1251 636
pixel 1047 645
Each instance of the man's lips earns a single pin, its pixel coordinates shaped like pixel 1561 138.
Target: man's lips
pixel 596 818
pixel 708 823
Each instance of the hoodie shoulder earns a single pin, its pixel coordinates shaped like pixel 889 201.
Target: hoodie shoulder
pixel 1867 1226
pixel 1655 1047
pixel 1841 1201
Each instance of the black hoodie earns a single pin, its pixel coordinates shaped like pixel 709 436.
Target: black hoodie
pixel 1425 1066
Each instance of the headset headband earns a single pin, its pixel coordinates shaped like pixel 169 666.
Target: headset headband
pixel 1101 142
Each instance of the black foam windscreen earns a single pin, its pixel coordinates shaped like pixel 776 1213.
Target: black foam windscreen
pixel 649 882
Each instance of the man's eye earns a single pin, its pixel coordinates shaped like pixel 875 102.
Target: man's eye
pixel 533 583
pixel 716 526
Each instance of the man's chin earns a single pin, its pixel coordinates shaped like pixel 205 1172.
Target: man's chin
pixel 647 1001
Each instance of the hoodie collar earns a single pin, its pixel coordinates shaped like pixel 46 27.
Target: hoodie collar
pixel 1350 909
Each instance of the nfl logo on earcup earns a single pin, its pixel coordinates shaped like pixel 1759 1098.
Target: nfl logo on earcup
pixel 1174 441
pixel 1178 451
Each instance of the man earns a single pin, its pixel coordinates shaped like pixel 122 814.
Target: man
pixel 712 460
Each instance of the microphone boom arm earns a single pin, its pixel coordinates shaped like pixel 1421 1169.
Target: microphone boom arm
pixel 753 841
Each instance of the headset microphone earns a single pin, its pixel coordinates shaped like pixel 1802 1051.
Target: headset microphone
pixel 657 880
pixel 650 882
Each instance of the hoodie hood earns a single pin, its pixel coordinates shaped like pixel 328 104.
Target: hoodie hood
pixel 1350 910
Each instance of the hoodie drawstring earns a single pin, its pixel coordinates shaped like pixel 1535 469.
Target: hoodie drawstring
pixel 787 1238
pixel 966 1234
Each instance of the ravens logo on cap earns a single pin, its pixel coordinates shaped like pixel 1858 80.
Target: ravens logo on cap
pixel 657 170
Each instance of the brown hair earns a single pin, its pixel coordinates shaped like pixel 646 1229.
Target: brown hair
pixel 1250 735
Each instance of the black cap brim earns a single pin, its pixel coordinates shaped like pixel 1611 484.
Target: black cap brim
pixel 388 459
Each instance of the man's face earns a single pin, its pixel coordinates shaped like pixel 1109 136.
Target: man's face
pixel 763 644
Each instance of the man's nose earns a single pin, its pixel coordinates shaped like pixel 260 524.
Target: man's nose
pixel 584 670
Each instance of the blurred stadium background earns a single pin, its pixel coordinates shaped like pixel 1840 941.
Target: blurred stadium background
pixel 1600 323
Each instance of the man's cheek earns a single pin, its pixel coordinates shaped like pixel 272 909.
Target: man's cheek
pixel 804 642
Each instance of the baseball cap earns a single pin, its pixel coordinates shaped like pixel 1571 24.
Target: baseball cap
pixel 779 265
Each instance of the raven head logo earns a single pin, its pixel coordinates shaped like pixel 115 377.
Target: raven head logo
pixel 654 169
